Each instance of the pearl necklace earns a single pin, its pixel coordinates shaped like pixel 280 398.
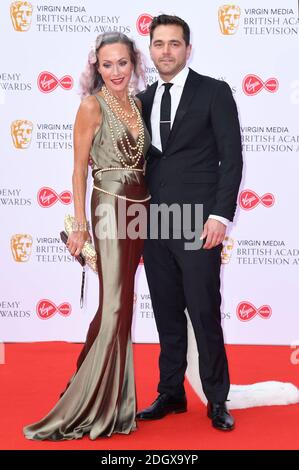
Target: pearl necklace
pixel 119 133
pixel 115 105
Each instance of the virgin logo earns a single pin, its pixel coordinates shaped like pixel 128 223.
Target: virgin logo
pixel 46 309
pixel 143 24
pixel 252 85
pixel 246 311
pixel 248 199
pixel 47 82
pixel 47 197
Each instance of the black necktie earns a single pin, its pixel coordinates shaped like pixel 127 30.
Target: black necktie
pixel 165 115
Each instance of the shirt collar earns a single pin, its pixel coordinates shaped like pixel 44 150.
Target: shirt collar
pixel 178 79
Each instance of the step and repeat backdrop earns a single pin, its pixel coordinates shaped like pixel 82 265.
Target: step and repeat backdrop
pixel 254 46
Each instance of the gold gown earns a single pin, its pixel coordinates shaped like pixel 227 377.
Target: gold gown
pixel 100 397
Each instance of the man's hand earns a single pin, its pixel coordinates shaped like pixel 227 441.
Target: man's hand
pixel 214 232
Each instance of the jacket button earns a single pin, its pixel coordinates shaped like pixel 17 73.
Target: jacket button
pixel 162 184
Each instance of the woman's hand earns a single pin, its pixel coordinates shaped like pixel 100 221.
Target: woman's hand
pixel 76 240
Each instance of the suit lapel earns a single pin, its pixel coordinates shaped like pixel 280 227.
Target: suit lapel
pixel 187 95
pixel 148 99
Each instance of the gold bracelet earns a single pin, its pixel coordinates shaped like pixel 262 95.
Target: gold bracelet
pixel 80 226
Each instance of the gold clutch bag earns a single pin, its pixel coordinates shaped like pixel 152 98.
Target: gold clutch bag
pixel 88 254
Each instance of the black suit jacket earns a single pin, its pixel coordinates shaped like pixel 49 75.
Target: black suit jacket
pixel 202 162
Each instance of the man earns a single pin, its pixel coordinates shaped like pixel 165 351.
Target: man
pixel 195 158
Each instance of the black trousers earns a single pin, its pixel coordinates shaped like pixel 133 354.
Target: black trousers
pixel 178 279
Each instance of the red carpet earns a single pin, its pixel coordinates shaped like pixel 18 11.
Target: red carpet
pixel 35 374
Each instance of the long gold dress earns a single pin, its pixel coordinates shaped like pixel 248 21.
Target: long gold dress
pixel 100 397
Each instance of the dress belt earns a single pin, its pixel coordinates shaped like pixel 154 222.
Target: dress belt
pixel 102 170
pixel 119 195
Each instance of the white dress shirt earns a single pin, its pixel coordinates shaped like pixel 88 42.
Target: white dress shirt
pixel 176 93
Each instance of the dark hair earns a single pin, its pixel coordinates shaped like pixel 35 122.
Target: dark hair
pixel 170 19
pixel 91 80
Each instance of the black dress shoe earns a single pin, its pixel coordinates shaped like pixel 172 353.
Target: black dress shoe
pixel 220 416
pixel 162 406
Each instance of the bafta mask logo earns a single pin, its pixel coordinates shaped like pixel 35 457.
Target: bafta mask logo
pixel 21 15
pixel 21 245
pixel 229 17
pixel 226 252
pixel 21 132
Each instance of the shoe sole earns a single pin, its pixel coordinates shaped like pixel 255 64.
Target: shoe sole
pixel 223 429
pixel 174 412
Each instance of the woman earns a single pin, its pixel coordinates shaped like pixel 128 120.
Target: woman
pixel 100 397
